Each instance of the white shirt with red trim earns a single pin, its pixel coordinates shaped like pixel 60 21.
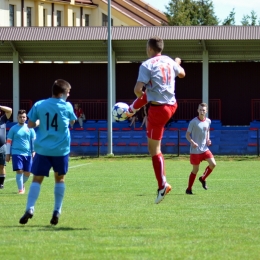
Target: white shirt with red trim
pixel 158 74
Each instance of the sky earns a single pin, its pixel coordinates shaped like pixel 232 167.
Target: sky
pixel 222 8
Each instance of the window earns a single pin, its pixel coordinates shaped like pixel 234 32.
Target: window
pixel 11 15
pixel 44 17
pixel 29 16
pixel 105 20
pixel 73 20
pixel 58 18
pixel 86 20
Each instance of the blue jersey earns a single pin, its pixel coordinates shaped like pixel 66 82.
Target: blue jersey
pixel 53 135
pixel 22 139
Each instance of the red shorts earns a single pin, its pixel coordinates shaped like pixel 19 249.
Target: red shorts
pixel 196 159
pixel 158 116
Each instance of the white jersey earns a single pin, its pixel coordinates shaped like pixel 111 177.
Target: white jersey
pixel 199 131
pixel 158 74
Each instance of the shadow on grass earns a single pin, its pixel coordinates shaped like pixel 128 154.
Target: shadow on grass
pixel 154 194
pixel 45 228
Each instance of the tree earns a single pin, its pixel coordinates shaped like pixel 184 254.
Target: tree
pixel 179 12
pixel 246 19
pixel 230 20
pixel 191 12
pixel 206 13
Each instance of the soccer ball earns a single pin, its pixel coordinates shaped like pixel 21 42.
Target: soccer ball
pixel 119 110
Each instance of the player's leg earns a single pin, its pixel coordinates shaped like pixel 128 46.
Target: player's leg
pixel 154 147
pixel 19 181
pixel 80 120
pixel 144 121
pixel 158 117
pixel 60 166
pixel 194 160
pixel 132 121
pixel 2 170
pixel 27 168
pixel 32 198
pixel 17 162
pixel 40 168
pixel 212 164
pixel 26 176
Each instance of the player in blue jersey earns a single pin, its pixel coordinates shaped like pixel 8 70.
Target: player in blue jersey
pixel 198 134
pixel 52 146
pixel 3 119
pixel 20 141
pixel 157 75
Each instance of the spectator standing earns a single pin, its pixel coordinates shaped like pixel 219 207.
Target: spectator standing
pixel 134 119
pixel 79 113
pixel 145 115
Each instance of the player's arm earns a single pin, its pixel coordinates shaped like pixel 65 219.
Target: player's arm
pixel 71 115
pixel 32 124
pixel 182 73
pixel 72 122
pixel 8 149
pixel 7 110
pixel 138 89
pixel 32 146
pixel 188 137
pixel 33 138
pixel 140 101
pixel 208 141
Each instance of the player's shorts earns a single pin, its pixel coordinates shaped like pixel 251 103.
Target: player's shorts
pixel 42 164
pixel 2 159
pixel 21 162
pixel 158 116
pixel 196 159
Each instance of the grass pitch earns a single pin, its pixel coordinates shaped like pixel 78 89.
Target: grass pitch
pixel 109 213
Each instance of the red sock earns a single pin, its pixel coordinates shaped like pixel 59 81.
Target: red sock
pixel 140 102
pixel 164 173
pixel 191 180
pixel 158 166
pixel 206 173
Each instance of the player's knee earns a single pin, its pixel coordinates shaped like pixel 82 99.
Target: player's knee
pixel 195 171
pixel 212 165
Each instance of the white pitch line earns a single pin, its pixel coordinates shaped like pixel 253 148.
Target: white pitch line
pixel 10 179
pixel 78 165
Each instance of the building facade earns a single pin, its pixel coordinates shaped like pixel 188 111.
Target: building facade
pixel 22 13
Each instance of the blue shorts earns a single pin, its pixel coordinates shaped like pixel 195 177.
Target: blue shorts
pixel 21 162
pixel 2 159
pixel 42 164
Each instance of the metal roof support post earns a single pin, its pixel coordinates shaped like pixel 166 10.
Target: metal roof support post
pixel 205 78
pixel 16 85
pixel 113 78
pixel 109 84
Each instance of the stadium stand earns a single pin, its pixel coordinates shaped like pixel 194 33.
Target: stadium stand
pixel 226 140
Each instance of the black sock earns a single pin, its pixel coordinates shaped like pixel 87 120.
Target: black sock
pixel 2 180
